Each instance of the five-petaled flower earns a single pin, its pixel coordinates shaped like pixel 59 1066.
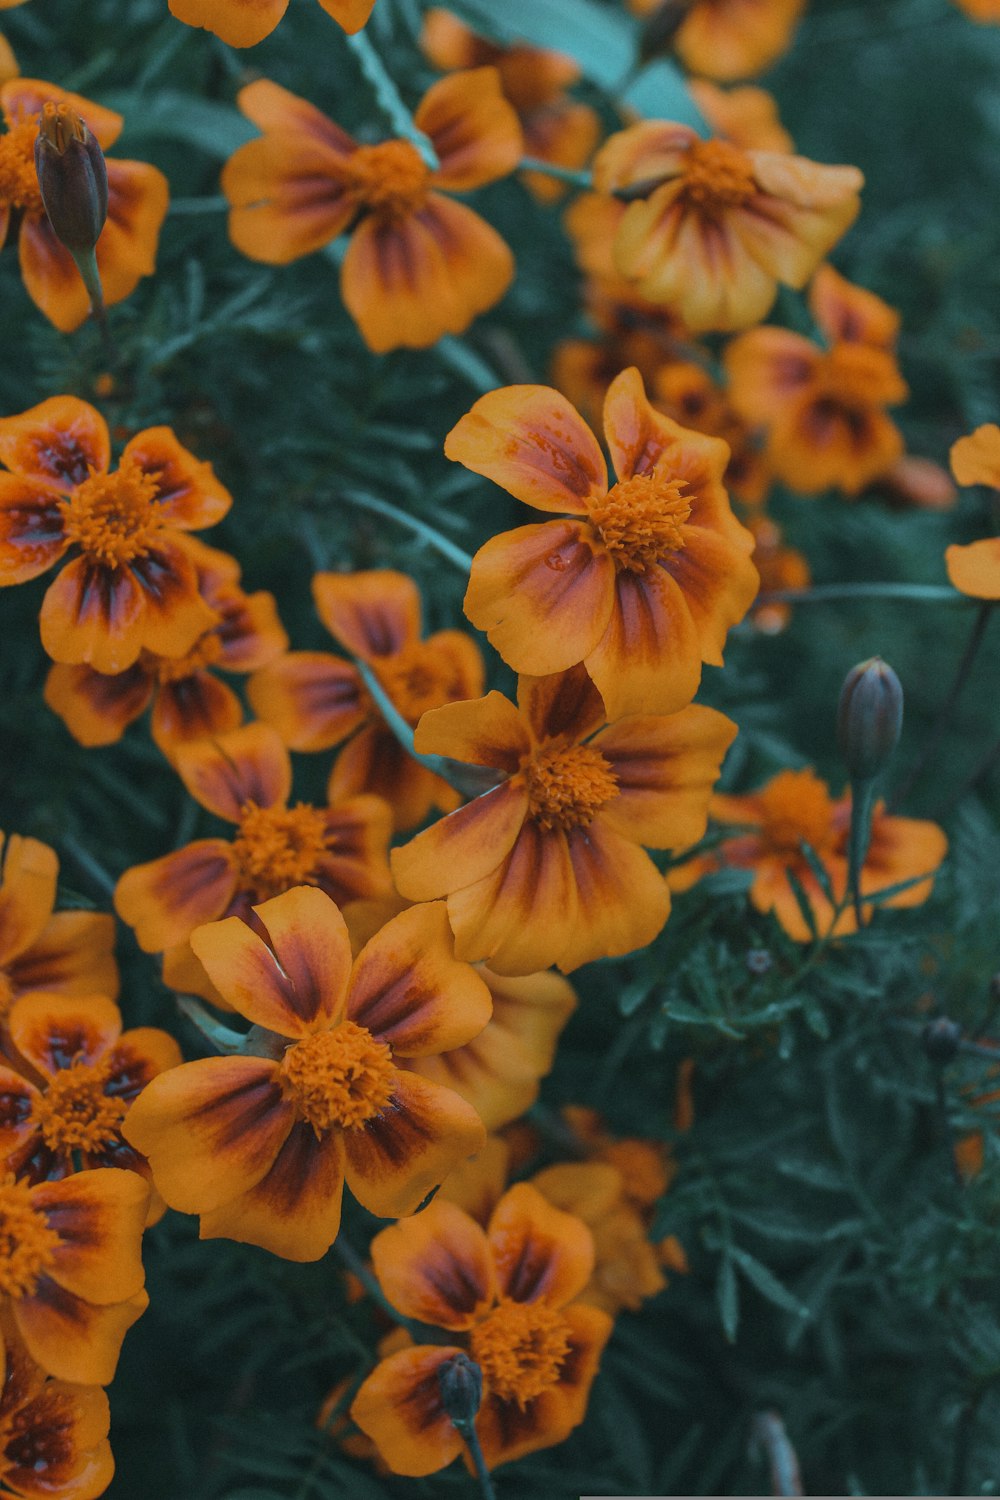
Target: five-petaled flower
pixel 260 1145
pixel 244 23
pixel 549 867
pixel 418 265
pixel 642 579
pixel 131 584
pixel 507 1295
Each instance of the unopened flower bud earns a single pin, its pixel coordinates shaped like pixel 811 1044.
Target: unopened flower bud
pixel 869 718
pixel 941 1038
pixel 72 177
pixel 461 1383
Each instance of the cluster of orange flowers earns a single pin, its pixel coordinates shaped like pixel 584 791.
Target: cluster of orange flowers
pixel 399 1001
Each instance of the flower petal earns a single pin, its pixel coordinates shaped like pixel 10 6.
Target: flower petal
pixel 565 704
pixel 58 442
pixel 54 1031
pixel 540 1252
pixel 354 865
pixel 975 569
pixel 399 1407
pixel 239 23
pixel 271 107
pixel 801 212
pixel 249 764
pixel 193 708
pixel 312 698
pixel 719 584
pixel 72 1339
pixel 164 900
pixel 138 199
pixel 97 707
pixel 373 613
pixel 375 762
pixel 350 14
pixel 187 492
pixel 24 99
pixel 73 956
pixel 485 731
pixel 473 128
pixel 32 528
pixel 463 847
pixel 287 197
pixel 974 459
pixel 649 658
pixel 622 899
pixel 294 1210
pixel 666 768
pixel 436 1267
pixel 27 894
pixel 99 1217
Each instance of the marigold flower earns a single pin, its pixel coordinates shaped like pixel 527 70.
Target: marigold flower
pixel 189 701
pixel 975 569
pixel 640 581
pixel 316 700
pixel 534 80
pixel 850 314
pixel 780 567
pixel 796 808
pixel 984 11
pixel 245 778
pixel 131 584
pixel 548 866
pixel 71 1272
pixel 508 1296
pixel 711 230
pixel 418 265
pixel 138 196
pixel 730 39
pixel 748 116
pixel 686 392
pixel 62 953
pixel 8 62
pixel 260 1145
pixel 244 23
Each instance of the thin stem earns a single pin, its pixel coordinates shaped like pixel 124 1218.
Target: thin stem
pixel 465 362
pixel 428 534
pixel 90 866
pixel 222 1038
pixel 943 722
pixel 471 781
pixel 86 263
pixel 833 593
pixel 471 1439
pixel 388 98
pixel 582 180
pixel 859 838
pixel 354 1263
pixel 216 204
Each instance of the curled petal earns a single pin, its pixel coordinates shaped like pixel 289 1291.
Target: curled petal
pixel 484 731
pixel 54 1031
pixel 72 1339
pixel 436 1267
pixel 463 847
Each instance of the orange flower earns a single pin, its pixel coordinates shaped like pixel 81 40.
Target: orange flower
pixel 70 1268
pixel 62 953
pixel 729 39
pixel 88 1071
pixel 746 116
pixel 795 808
pixel 851 314
pixel 984 11
pixel 419 265
pixel 8 62
pixel 189 702
pixel 132 584
pixel 548 866
pixel 534 81
pixel 53 1435
pixel 641 580
pixel 245 777
pixel 975 569
pixel 137 205
pixel 686 392
pixel 711 230
pixel 260 1145
pixel 780 568
pixel 507 1295
pixel 244 23
pixel 316 700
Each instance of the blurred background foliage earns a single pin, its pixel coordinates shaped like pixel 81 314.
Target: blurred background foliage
pixel 840 1274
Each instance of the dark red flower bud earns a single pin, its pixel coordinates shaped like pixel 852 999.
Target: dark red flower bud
pixel 461 1383
pixel 869 718
pixel 72 177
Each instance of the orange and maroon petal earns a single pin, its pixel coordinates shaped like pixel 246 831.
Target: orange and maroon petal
pixel 408 989
pixel 436 1267
pixel 540 1252
pixel 210 1129
pixel 719 583
pixel 249 764
pixel 354 864
pixel 32 528
pixel 295 981
pixel 564 134
pixel 463 847
pixel 139 1055
pixel 563 704
pixel 72 1339
pixel 273 108
pixel 74 955
pixel 175 615
pixel 622 899
pixel 286 197
pixel 649 658
pixel 373 613
pixel 395 1159
pixel 399 1407
pixel 193 708
pixel 187 492
pixel 851 313
pixel 294 1210
pixel 485 731
pixel 767 368
pixel 375 762
pixel 473 128
pixel 99 1217
pixel 312 698
pixel 164 900
pixel 250 630
pixel 17 1097
pixel 240 23
pixel 975 459
pixel 58 1445
pixel 801 212
pixel 406 282
pixel 543 594
pixel 138 199
pixel 54 1031
pixel 27 894
pixel 529 440
pixel 975 569
pixel 50 276
pixel 350 14
pixel 97 707
pixel 24 98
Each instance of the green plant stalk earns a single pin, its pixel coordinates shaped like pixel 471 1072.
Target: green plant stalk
pixel 583 180
pixel 859 838
pixel 833 593
pixel 222 1038
pixel 86 263
pixel 428 534
pixel 471 781
pixel 388 98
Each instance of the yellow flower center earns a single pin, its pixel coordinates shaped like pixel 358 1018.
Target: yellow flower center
pixel 391 179
pixel 112 517
pixel 27 1244
pixel 520 1348
pixel 74 1113
pixel 204 653
pixel 856 375
pixel 797 808
pixel 641 520
pixel 18 178
pixel 417 678
pixel 568 785
pixel 339 1078
pixel 278 847
pixel 718 175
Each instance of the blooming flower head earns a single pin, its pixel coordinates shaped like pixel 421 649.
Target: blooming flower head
pixel 244 23
pixel 711 229
pixel 975 569
pixel 849 314
pixel 62 953
pixel 419 264
pixel 796 808
pixel 137 205
pixel 639 580
pixel 316 700
pixel 130 584
pixel 548 866
pixel 189 701
pixel 507 1295
pixel 730 39
pixel 534 80
pixel 245 778
pixel 260 1144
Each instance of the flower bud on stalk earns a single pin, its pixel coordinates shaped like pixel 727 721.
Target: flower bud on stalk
pixel 461 1384
pixel 869 720
pixel 73 181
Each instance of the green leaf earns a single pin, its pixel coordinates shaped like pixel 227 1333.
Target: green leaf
pixel 215 129
pixel 767 1283
pixel 803 902
pixel 727 1297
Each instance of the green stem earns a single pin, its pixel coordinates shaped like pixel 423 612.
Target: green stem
pixel 428 534
pixel 388 98
pixel 582 180
pixel 466 363
pixel 222 1038
pixel 859 838
pixel 832 593
pixel 213 205
pixel 471 781
pixel 471 1439
pixel 86 263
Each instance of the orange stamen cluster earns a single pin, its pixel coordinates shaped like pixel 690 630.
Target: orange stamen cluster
pixel 339 1078
pixel 568 785
pixel 520 1348
pixel 416 679
pixel 641 520
pixel 718 175
pixel 27 1244
pixel 278 847
pixel 75 1113
pixel 113 517
pixel 390 179
pixel 796 809
pixel 18 178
